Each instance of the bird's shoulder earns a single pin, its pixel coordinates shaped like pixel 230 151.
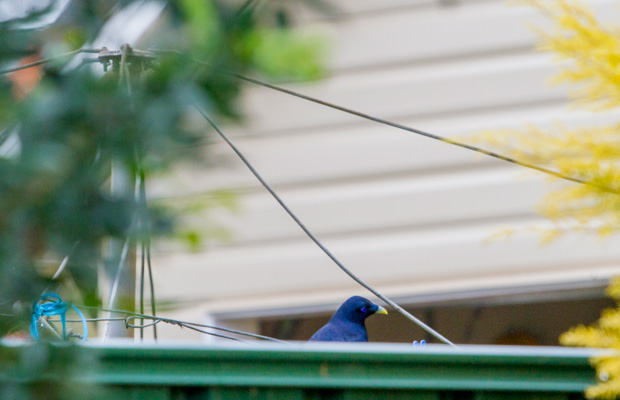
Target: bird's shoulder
pixel 341 331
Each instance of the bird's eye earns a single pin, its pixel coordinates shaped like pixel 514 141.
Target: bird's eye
pixel 363 309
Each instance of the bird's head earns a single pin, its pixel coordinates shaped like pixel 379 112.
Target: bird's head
pixel 357 309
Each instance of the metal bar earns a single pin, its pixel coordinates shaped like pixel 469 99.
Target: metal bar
pixel 344 367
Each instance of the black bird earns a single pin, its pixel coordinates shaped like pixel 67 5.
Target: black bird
pixel 347 324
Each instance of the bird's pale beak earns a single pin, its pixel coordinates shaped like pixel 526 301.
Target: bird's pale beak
pixel 381 310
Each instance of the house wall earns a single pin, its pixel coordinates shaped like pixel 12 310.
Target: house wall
pixel 410 215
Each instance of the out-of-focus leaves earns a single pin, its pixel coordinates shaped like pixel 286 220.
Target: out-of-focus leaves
pixel 192 238
pixel 280 53
pixel 50 372
pixel 62 130
pixel 72 125
pixel 202 24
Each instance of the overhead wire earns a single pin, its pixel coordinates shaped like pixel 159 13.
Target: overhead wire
pixel 365 116
pixel 146 325
pixel 397 125
pixel 360 114
pixel 116 283
pixel 213 334
pixel 145 258
pixel 151 284
pixel 142 268
pixel 186 324
pixel 65 260
pixel 47 60
pixel 427 134
pixel 315 239
pixel 91 319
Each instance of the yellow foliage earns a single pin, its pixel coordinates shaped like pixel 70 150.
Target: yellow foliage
pixel 613 290
pixel 594 50
pixel 604 390
pixel 592 53
pixel 590 154
pixel 605 333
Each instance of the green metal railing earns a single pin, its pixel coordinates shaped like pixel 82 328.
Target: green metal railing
pixel 301 371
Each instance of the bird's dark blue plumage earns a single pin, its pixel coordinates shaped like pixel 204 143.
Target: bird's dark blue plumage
pixel 347 324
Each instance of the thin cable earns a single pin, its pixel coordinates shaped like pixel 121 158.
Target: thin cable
pixel 46 60
pixel 591 183
pixel 65 261
pixel 46 323
pixel 254 335
pixel 117 278
pixel 142 258
pixel 146 250
pixel 90 319
pixel 181 324
pixel 178 322
pixel 151 284
pixel 360 114
pixel 123 75
pixel 119 271
pixel 142 324
pixel 317 241
pixel 213 334
pixel 142 267
pixel 427 134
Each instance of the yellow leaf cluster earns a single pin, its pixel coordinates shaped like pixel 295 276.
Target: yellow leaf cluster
pixel 591 53
pixel 594 50
pixel 605 333
pixel 591 154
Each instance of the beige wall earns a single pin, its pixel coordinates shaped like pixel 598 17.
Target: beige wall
pixel 408 214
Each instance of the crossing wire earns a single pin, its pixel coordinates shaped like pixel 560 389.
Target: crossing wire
pixel 316 240
pixel 184 324
pixel 548 171
pixel 592 183
pixel 557 174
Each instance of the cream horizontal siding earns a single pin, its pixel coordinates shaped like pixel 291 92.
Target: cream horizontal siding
pixel 408 214
pixel 394 259
pixel 417 92
pixel 389 34
pixel 409 36
pixel 387 204
pixel 332 155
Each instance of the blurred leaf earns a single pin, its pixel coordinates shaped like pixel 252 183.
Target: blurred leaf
pixel 193 239
pixel 203 25
pixel 70 125
pixel 282 53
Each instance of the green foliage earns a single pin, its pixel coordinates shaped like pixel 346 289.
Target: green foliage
pixel 30 377
pixel 73 124
pixel 191 218
pixel 202 23
pixel 277 52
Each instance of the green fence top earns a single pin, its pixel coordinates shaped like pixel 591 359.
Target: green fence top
pixel 304 365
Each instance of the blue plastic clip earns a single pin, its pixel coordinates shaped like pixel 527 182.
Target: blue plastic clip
pixel 421 343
